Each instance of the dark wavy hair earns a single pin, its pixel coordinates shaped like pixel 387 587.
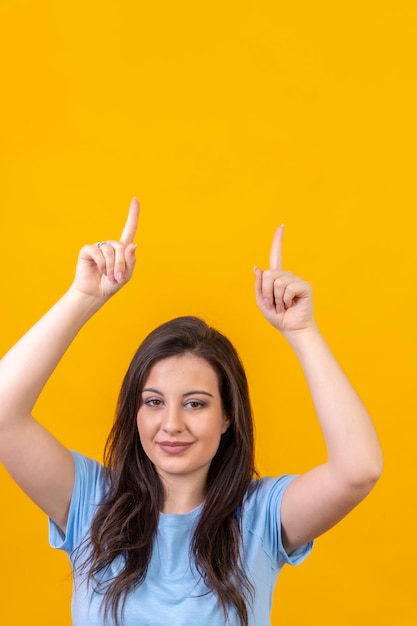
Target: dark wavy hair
pixel 125 524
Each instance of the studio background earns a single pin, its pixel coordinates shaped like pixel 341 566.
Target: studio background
pixel 225 119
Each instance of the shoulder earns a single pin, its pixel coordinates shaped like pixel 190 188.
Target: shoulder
pixel 90 490
pixel 261 520
pixel 87 468
pixel 261 507
pixel 266 492
pixel 90 477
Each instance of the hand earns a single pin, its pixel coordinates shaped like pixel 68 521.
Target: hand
pixel 284 299
pixel 102 270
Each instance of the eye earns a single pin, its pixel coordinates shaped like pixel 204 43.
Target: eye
pixel 153 402
pixel 195 404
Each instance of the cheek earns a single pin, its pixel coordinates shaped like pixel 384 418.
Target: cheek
pixel 144 427
pixel 212 432
pixel 147 436
pixel 138 424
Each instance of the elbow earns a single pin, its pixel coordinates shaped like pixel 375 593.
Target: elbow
pixel 370 481
pixel 366 477
pixel 358 474
pixel 375 467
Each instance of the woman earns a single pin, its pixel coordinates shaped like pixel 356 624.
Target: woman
pixel 177 529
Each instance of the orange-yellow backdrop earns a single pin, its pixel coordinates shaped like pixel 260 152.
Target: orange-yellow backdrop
pixel 226 119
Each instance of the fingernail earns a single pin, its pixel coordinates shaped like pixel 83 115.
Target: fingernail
pixel 119 277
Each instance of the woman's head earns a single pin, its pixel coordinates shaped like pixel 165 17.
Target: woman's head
pixel 181 420
pixel 178 337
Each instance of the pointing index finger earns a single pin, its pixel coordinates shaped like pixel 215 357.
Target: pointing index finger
pixel 131 225
pixel 275 257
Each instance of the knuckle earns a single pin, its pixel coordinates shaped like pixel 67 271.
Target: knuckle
pixel 280 282
pixel 267 275
pixel 117 245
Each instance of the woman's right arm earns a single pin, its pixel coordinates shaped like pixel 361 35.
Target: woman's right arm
pixel 38 463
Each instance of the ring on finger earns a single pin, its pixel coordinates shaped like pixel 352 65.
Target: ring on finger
pixel 101 243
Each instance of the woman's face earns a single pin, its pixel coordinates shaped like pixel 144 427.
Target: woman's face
pixel 181 418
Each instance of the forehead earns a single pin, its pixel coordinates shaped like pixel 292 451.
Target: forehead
pixel 184 369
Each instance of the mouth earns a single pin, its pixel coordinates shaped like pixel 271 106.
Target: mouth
pixel 174 447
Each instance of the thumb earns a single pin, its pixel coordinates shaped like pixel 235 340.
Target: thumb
pixel 258 285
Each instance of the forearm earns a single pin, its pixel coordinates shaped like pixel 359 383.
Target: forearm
pixel 352 444
pixel 25 369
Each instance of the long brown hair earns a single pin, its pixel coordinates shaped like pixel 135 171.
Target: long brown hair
pixel 125 524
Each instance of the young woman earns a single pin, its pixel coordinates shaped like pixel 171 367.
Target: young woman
pixel 176 528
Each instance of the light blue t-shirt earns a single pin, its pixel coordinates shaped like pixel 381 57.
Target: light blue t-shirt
pixel 173 593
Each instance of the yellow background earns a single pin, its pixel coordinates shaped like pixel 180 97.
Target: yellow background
pixel 225 119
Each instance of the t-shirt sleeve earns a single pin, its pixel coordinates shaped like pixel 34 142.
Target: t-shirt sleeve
pixel 265 504
pixel 88 493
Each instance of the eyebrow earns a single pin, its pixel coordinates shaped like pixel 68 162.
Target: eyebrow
pixel 188 393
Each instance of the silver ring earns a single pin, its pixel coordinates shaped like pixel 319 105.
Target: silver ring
pixel 101 243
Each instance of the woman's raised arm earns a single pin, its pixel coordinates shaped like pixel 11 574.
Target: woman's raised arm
pixel 318 499
pixel 41 465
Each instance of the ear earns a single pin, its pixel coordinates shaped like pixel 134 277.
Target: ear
pixel 226 423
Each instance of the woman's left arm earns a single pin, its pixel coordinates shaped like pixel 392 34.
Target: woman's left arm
pixel 317 500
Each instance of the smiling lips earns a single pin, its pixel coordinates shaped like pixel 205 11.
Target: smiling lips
pixel 174 447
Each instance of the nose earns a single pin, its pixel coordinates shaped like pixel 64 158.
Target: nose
pixel 172 422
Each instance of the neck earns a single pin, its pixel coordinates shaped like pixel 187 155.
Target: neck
pixel 182 494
